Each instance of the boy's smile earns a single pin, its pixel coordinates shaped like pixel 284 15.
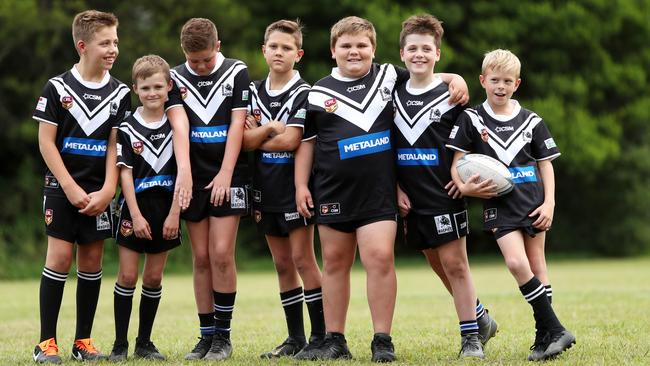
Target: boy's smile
pixel 499 86
pixel 102 48
pixel 152 91
pixel 353 54
pixel 420 54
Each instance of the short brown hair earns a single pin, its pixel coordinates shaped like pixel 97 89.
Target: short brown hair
pixel 291 27
pixel 198 34
pixel 148 65
pixel 87 23
pixel 422 24
pixel 353 25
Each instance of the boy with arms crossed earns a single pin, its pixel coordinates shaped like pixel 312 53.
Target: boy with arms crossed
pixel 79 112
pixel 278 107
pixel 149 222
pixel 435 216
pixel 504 130
pixel 348 140
pixel 214 91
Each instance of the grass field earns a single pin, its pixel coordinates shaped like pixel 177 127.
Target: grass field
pixel 604 302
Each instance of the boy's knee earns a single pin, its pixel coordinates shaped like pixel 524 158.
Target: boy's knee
pixel 517 266
pixel 127 279
pixel 283 265
pixel 456 268
pixel 152 280
pixel 222 264
pixel 201 263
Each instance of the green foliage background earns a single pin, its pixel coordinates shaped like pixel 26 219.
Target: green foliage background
pixel 585 71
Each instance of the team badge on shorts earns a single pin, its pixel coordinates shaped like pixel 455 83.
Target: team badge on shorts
pixel 126 228
pixel 66 102
pixel 435 115
pixel 226 90
pixel 183 91
pixel 257 114
pixel 51 182
pixel 290 216
pixel 328 209
pixel 103 221
pixel 331 105
pixel 49 216
pixel 443 224
pixel 484 135
pixel 138 146
pixel 237 197
pixel 258 216
pixel 490 214
pixel 257 196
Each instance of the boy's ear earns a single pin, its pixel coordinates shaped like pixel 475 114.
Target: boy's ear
pixel 135 88
pixel 169 85
pixel 517 83
pixel 481 79
pixel 401 54
pixel 81 46
pixel 301 53
pixel 218 46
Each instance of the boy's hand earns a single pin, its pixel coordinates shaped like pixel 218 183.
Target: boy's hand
pixel 304 202
pixel 458 91
pixel 220 187
pixel 77 196
pixel 545 216
pixel 452 190
pixel 277 127
pixel 403 202
pixel 141 227
pixel 250 122
pixel 98 202
pixel 183 189
pixel 485 189
pixel 170 227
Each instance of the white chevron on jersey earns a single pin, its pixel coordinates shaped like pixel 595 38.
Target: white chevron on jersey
pixel 506 150
pixel 363 114
pixel 283 113
pixel 205 108
pixel 157 158
pixel 413 128
pixel 89 120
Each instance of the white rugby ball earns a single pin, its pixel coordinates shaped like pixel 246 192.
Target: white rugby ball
pixel 487 168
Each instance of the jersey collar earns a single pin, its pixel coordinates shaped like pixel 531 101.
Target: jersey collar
pixel 289 84
pixel 417 91
pixel 501 117
pixel 90 84
pixel 336 74
pixel 150 125
pixel 217 65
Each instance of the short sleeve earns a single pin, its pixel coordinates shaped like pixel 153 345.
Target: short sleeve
pixel 543 145
pixel 48 107
pixel 174 97
pixel 124 149
pixel 124 110
pixel 461 135
pixel 298 113
pixel 241 91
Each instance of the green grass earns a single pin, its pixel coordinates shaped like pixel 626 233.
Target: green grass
pixel 604 302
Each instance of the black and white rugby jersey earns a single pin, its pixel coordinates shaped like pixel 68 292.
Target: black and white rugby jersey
pixel 146 148
pixel 423 120
pixel 354 165
pixel 519 140
pixel 84 113
pixel 273 186
pixel 209 101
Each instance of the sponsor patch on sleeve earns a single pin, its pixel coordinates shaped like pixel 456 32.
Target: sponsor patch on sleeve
pixel 119 149
pixel 244 95
pixel 454 131
pixel 550 143
pixel 42 103
pixel 301 113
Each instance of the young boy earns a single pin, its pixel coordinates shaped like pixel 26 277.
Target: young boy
pixel 214 91
pixel 501 128
pixel 278 107
pixel 348 137
pixel 435 216
pixel 149 221
pixel 79 112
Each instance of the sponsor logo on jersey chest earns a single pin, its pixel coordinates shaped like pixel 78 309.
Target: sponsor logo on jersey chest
pixel 92 96
pixel 275 104
pixel 414 103
pixel 162 181
pixel 355 88
pixel 277 157
pixel 66 102
pixel 204 83
pixel 81 146
pixel 331 105
pixel 504 129
pixel 157 136
pixel 209 135
pixel 364 144
pixel 417 157
pixel 523 174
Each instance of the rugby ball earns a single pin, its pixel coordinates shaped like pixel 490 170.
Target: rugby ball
pixel 487 168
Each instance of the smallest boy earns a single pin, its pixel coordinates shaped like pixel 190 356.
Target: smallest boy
pixel 79 112
pixel 149 222
pixel 503 129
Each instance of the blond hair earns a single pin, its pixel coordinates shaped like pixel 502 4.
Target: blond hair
pixel 501 60
pixel 89 22
pixel 422 24
pixel 198 34
pixel 293 28
pixel 148 65
pixel 353 25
